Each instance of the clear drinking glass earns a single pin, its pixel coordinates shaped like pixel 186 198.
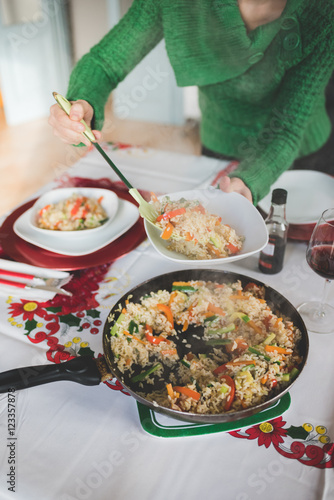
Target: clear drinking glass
pixel 319 315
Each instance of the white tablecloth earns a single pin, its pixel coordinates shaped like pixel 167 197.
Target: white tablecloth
pixel 74 442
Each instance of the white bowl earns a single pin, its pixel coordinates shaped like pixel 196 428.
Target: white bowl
pixel 234 209
pixel 109 203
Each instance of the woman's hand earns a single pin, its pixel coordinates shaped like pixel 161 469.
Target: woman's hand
pixel 69 128
pixel 234 184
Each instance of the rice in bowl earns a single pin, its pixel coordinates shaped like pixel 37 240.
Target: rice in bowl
pixel 191 230
pixel 74 213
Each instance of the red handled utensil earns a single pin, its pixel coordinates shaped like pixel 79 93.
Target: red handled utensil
pixel 15 274
pixel 48 288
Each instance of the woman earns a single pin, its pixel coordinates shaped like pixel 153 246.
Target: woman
pixel 261 67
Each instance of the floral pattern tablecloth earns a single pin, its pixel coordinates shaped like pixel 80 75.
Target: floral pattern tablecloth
pixel 283 448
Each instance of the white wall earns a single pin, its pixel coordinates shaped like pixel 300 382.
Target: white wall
pixel 35 59
pixel 89 23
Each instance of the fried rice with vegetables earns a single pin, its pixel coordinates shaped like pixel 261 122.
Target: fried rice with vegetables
pixel 191 230
pixel 246 352
pixel 72 214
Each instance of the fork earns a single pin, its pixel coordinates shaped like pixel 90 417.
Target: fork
pixel 15 274
pixel 50 284
pixel 146 210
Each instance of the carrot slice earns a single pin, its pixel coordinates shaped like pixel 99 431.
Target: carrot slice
pixel 232 248
pixel 170 391
pixel 42 210
pixel 167 312
pixel 76 206
pixel 216 309
pixel 239 296
pixel 169 352
pixel 239 363
pixel 190 393
pixel 213 249
pixel 133 337
pixel 277 322
pixel 254 326
pixel 167 233
pixel 185 325
pixel 241 345
pixel 186 283
pixel 151 338
pixel 230 382
pixel 171 214
pixel 280 350
pixel 172 298
pixel 209 314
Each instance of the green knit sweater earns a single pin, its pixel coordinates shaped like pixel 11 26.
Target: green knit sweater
pixel 261 93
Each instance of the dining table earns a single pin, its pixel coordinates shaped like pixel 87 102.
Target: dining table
pixel 66 441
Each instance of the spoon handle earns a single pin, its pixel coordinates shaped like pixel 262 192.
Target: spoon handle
pixel 66 106
pixel 112 164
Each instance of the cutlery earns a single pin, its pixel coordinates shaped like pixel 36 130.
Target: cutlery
pixel 146 210
pixel 46 287
pixel 15 274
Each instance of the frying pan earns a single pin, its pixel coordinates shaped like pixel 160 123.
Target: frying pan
pixel 88 371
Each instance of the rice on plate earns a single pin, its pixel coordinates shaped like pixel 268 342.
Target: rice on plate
pixel 247 353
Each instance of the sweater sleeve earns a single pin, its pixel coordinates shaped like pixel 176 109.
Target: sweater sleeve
pixel 100 70
pixel 283 133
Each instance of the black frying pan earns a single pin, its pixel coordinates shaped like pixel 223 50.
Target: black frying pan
pixel 87 371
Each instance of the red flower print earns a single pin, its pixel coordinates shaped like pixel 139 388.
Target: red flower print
pixel 268 432
pixel 28 308
pixel 84 286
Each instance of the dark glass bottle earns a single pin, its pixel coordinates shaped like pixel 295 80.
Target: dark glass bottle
pixel 272 256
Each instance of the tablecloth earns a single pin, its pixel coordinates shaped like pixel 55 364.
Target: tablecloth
pixel 64 441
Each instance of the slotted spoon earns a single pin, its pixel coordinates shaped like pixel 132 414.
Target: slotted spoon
pixel 146 210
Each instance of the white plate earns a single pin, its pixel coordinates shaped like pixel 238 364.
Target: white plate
pixel 234 210
pixel 109 203
pixel 309 194
pixel 126 216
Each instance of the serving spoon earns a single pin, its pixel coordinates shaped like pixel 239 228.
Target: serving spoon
pixel 146 210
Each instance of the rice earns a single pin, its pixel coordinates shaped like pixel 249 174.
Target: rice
pixel 74 213
pixel 236 352
pixel 194 232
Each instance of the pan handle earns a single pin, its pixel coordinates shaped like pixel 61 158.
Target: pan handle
pixel 82 370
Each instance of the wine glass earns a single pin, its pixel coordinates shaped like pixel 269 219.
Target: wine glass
pixel 318 315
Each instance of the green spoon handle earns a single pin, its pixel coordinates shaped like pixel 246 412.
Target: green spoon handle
pixel 66 106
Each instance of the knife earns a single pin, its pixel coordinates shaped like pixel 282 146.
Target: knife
pixel 40 287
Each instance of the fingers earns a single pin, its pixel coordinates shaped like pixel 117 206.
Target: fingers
pixel 77 111
pixel 225 184
pixel 68 128
pixel 97 134
pixel 236 185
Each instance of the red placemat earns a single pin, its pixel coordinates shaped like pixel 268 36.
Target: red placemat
pixel 17 249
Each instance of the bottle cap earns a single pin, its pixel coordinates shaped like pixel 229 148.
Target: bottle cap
pixel 279 196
